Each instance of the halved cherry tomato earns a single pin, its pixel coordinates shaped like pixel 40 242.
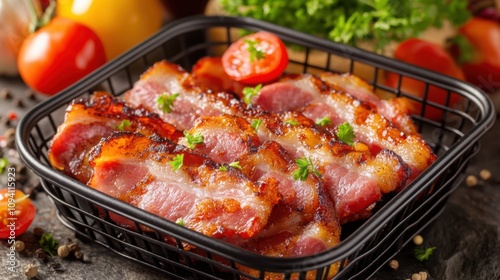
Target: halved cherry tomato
pixel 430 56
pixel 16 213
pixel 59 54
pixel 256 58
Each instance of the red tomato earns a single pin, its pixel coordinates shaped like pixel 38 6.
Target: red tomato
pixel 482 67
pixel 16 212
pixel 59 54
pixel 430 56
pixel 256 58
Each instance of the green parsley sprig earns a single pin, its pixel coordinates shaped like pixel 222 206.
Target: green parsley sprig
pixel 256 124
pixel 177 161
pixel 345 133
pixel 124 125
pixel 255 52
pixel 249 92
pixel 323 121
pixel 3 164
pixel 305 166
pixel 193 139
pixel 49 244
pixel 165 102
pixel 423 254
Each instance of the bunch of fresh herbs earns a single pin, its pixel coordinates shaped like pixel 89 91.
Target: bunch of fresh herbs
pixel 354 21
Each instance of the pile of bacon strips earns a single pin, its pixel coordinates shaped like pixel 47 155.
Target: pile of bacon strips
pixel 275 168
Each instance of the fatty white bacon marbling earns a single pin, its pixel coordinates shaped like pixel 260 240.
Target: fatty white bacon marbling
pixel 354 178
pixel 138 170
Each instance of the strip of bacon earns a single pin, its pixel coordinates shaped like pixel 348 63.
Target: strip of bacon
pixel 369 126
pixel 139 170
pixel 88 120
pixel 167 78
pixel 392 108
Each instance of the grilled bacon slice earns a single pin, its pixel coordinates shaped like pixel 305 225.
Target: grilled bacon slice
pixel 88 120
pixel 192 102
pixel 209 72
pixel 370 127
pixel 139 170
pixel 392 109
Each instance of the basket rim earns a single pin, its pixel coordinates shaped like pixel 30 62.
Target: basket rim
pixel 179 27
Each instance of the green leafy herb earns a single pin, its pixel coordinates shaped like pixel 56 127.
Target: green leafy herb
pixel 323 121
pixel 177 161
pixel 255 124
pixel 180 222
pixel 345 133
pixel 292 122
pixel 235 164
pixel 250 92
pixel 355 21
pixel 255 53
pixel 305 166
pixel 49 244
pixel 124 125
pixel 166 102
pixel 222 168
pixel 193 139
pixel 3 164
pixel 423 254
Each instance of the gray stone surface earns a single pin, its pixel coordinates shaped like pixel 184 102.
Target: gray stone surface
pixel 466 235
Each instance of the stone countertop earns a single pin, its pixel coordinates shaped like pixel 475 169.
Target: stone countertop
pixel 466 235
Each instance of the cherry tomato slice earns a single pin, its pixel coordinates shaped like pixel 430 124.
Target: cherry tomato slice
pixel 256 58
pixel 16 213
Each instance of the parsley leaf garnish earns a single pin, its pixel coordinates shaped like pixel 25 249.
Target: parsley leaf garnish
pixel 193 139
pixel 222 168
pixel 345 133
pixel 292 122
pixel 3 164
pixel 423 254
pixel 255 53
pixel 123 125
pixel 177 161
pixel 323 121
pixel 305 166
pixel 235 164
pixel 250 92
pixel 255 124
pixel 180 222
pixel 166 102
pixel 49 244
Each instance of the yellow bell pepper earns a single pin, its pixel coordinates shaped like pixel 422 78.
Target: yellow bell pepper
pixel 119 24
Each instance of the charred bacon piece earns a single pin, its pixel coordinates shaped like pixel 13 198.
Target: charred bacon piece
pixel 88 120
pixel 140 171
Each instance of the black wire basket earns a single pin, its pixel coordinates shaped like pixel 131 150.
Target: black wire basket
pixel 365 246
